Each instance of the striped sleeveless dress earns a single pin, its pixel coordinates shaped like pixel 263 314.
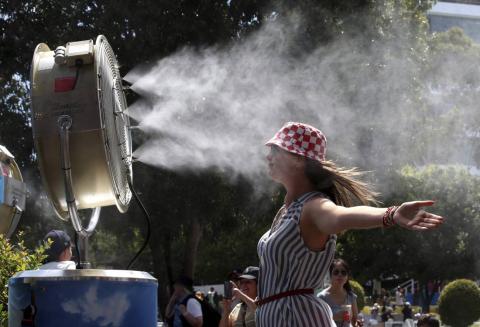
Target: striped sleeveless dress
pixel 286 263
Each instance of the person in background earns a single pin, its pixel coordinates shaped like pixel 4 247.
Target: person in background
pixel 387 314
pixel 374 311
pixel 384 298
pixel 243 314
pixel 428 321
pixel 212 297
pixel 408 315
pixel 183 309
pixel 200 295
pixel 407 311
pixel 399 296
pixel 373 320
pixel 59 254
pixel 339 295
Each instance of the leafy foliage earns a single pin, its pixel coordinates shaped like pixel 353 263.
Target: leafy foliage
pixel 15 258
pixel 459 303
pixel 359 291
pixel 442 254
pixel 423 255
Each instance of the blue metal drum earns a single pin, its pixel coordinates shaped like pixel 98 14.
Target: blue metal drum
pixel 87 298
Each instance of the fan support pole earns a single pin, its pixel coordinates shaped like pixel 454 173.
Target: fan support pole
pixel 64 125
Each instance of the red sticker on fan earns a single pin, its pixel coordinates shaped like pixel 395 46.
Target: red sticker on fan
pixel 64 84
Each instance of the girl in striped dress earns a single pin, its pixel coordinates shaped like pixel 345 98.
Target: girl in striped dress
pixel 296 253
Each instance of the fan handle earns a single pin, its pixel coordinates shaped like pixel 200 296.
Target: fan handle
pixel 64 124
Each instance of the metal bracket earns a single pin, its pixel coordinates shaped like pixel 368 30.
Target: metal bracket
pixel 64 124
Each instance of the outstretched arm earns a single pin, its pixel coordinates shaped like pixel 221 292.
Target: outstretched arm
pixel 329 218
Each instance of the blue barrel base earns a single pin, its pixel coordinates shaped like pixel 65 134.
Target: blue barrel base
pixel 87 298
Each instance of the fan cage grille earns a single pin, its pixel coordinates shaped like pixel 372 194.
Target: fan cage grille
pixel 115 122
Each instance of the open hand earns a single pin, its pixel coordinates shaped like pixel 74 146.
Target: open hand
pixel 411 215
pixel 236 292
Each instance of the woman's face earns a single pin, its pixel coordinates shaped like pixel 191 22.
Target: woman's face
pixel 249 287
pixel 339 275
pixel 284 165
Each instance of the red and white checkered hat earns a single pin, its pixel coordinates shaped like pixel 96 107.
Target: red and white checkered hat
pixel 301 139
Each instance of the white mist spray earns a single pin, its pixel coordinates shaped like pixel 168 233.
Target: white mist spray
pixel 217 106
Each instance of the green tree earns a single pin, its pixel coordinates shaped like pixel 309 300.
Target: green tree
pixel 450 131
pixel 15 258
pixel 459 303
pixel 360 293
pixel 442 254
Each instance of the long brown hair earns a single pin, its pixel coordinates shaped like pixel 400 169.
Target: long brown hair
pixel 341 185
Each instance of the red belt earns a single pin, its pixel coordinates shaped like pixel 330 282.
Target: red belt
pixel 282 295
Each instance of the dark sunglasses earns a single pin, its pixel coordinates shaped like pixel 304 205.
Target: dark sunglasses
pixel 336 272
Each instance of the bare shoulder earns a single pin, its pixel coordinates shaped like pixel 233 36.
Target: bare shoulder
pixel 318 206
pixel 322 215
pixel 314 223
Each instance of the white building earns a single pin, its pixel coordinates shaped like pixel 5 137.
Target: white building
pixel 463 14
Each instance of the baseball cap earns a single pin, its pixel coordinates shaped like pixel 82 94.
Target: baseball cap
pixel 250 272
pixel 60 241
pixel 301 139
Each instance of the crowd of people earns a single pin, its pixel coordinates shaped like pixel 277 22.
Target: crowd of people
pixel 196 309
pixel 238 309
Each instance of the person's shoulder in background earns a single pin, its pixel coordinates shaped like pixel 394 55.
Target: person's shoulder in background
pixel 58 265
pixel 324 294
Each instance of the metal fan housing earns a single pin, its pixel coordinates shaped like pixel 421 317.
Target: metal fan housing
pixel 82 81
pixel 12 193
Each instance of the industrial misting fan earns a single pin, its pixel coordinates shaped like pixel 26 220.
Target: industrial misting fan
pixel 81 131
pixel 12 193
pixel 83 140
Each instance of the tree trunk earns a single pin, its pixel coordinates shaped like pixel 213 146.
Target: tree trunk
pixel 162 266
pixel 167 252
pixel 193 240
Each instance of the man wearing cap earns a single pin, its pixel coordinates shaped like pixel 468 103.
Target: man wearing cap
pixel 60 251
pixel 243 314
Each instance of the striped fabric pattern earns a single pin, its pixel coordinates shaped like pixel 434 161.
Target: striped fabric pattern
pixel 286 264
